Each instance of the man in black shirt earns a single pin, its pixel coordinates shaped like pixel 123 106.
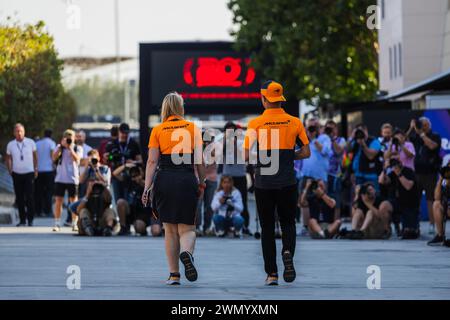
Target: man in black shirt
pixel 120 151
pixel 404 196
pixel 370 219
pixel 321 224
pixel 428 161
pixel 441 206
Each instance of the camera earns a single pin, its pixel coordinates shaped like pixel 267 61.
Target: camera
pixel 229 203
pixel 94 161
pixel 359 134
pixel 115 156
pixel 394 163
pixel 395 142
pixel 418 124
pixel 95 201
pixel 69 141
pixel 328 131
pixel 312 129
pixel 445 172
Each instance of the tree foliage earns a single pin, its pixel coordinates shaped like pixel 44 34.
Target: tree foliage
pixel 31 91
pixel 321 50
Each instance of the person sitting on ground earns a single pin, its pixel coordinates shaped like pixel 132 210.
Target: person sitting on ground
pixel 96 217
pixel 227 206
pixel 441 206
pixel 131 210
pixel 404 199
pixel 322 223
pixel 370 218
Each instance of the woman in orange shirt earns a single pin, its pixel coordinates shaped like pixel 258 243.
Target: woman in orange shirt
pixel 175 149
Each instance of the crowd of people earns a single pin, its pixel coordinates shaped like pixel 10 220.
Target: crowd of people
pixel 376 182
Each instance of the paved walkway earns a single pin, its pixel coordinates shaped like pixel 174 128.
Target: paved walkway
pixel 33 264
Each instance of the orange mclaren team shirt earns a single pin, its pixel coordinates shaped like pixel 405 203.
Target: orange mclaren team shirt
pixel 177 139
pixel 275 130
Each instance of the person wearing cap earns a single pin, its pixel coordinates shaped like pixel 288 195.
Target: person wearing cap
pixel 119 151
pixel 275 135
pixel 176 145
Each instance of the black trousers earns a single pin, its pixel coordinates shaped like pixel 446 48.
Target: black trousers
pixel 284 202
pixel 23 188
pixel 43 192
pixel 241 184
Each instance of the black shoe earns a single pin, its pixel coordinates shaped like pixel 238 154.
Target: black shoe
pixel 246 231
pixel 21 224
pixel 410 234
pixel 446 243
pixel 357 235
pixel 107 232
pixel 289 270
pixel 436 241
pixel 189 269
pixel 277 234
pixel 327 234
pixel 124 230
pixel 30 223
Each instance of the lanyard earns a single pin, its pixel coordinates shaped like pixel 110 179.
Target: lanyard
pixel 21 149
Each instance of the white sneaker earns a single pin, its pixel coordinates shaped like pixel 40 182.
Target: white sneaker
pixel 431 229
pixel 220 233
pixel 75 228
pixel 56 228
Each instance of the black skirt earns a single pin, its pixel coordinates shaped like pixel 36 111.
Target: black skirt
pixel 175 196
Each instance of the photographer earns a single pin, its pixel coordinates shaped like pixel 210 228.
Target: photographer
pixel 131 210
pixel 92 171
pixel 404 199
pixel 370 219
pixel 386 136
pixel 96 216
pixel 334 188
pixel 67 157
pixel 322 223
pixel 227 206
pixel 119 151
pixel 427 162
pixel 365 163
pixel 441 206
pixel 317 165
pixel 400 149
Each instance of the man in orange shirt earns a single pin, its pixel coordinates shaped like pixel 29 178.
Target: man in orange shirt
pixel 275 135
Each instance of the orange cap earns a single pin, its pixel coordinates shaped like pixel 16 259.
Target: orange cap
pixel 272 91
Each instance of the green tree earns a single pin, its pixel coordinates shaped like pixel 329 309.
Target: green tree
pixel 321 50
pixel 31 91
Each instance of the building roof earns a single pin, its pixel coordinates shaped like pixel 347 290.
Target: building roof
pixel 439 82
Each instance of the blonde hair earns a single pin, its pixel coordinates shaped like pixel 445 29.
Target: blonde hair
pixel 172 105
pixel 69 132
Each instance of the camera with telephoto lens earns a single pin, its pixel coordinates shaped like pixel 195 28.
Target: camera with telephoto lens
pixel 394 163
pixel 95 202
pixel 418 124
pixel 312 129
pixel 229 203
pixel 328 131
pixel 445 172
pixel 312 189
pixel 359 134
pixel 395 142
pixel 115 156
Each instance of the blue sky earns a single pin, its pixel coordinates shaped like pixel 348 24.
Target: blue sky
pixel 91 33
